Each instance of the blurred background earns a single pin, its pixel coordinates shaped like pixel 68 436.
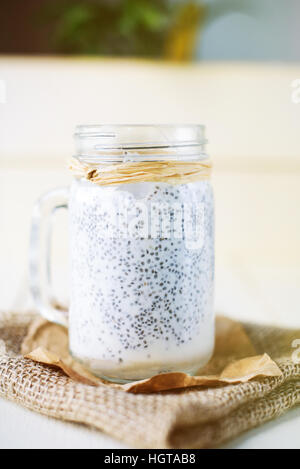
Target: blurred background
pixel 233 65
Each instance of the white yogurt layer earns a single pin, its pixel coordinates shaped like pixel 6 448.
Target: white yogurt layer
pixel 141 289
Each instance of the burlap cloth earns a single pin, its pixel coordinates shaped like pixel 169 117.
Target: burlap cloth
pixel 198 417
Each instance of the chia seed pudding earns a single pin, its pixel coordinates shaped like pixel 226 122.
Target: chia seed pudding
pixel 140 305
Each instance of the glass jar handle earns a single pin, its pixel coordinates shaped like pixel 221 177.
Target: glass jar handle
pixel 40 253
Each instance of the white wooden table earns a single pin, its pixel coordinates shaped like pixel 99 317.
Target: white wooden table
pixel 257 188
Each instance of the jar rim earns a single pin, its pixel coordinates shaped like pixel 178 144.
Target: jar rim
pixel 87 128
pixel 116 142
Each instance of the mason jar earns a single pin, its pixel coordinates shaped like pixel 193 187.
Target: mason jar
pixel 141 235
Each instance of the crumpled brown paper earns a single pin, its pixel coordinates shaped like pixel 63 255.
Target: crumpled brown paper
pixel 234 360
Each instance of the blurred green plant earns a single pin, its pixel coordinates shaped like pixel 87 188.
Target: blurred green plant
pixel 108 27
pixel 147 28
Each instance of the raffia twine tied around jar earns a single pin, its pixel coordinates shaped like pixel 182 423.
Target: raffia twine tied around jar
pixel 128 172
